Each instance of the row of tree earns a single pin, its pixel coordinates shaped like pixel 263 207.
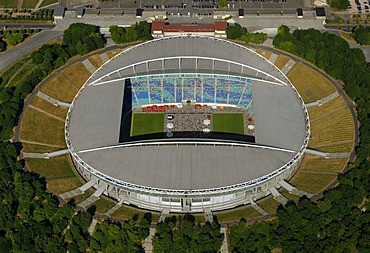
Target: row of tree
pixel 13 37
pixel 339 222
pixel 184 235
pixel 42 14
pixel 237 32
pixel 138 32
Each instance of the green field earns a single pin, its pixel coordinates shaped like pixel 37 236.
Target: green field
pixel 147 123
pixel 228 123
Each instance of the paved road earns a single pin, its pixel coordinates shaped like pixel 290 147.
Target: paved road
pixel 19 51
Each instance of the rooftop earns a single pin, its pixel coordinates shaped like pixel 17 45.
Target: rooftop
pixel 278 114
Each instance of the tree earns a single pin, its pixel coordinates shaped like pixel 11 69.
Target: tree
pixel 362 35
pixel 82 38
pixel 222 3
pixel 2 45
pixel 339 4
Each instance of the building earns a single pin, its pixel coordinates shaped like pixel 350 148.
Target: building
pixel 161 29
pixel 193 174
pixel 59 12
pixel 320 12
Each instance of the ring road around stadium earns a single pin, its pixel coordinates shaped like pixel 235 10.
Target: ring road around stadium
pixel 190 174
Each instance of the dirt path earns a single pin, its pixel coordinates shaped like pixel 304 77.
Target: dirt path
pixel 19 4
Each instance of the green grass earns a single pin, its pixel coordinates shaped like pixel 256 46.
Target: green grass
pixel 63 185
pixel 127 212
pixel 269 204
pixel 28 4
pixel 8 4
pixel 147 123
pixel 228 123
pixel 47 2
pixel 39 127
pixel 312 182
pixel 78 199
pixel 36 148
pixel 56 167
pixel 246 212
pixel 289 196
pixel 103 205
pixel 58 111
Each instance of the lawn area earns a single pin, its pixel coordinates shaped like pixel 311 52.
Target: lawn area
pixel 228 123
pixel 127 212
pixel 96 61
pixel 60 89
pixel 332 128
pixel 281 61
pixel 147 123
pixel 344 147
pixel 114 52
pixel 347 36
pixel 76 74
pixel 63 185
pixel 264 53
pixel 56 167
pixel 59 111
pixel 48 2
pixel 78 199
pixel 35 148
pixel 11 4
pixel 316 163
pixel 28 4
pixel 246 212
pixel 309 83
pixel 319 111
pixel 22 73
pixel 312 182
pixel 103 204
pixel 269 204
pixel 39 127
pixel 289 196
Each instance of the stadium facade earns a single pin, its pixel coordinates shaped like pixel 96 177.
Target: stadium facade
pixel 192 174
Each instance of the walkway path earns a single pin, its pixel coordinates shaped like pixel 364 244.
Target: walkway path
pixel 224 246
pixel 46 113
pixel 92 226
pixel 277 196
pixel 38 4
pixel 19 4
pixel 258 208
pixel 323 101
pixel 290 64
pixel 148 245
pixel 89 66
pixel 115 208
pixel 52 100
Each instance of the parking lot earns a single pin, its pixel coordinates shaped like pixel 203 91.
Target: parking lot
pixel 359 7
pixel 187 7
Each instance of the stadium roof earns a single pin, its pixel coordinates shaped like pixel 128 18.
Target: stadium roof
pixel 280 124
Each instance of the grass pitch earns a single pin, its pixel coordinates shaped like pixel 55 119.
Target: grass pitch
pixel 147 123
pixel 228 123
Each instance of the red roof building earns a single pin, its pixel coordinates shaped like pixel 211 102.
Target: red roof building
pixel 160 29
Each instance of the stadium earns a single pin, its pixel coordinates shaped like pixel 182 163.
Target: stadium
pixel 187 124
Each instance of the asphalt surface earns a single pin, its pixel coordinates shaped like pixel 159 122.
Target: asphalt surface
pixel 10 56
